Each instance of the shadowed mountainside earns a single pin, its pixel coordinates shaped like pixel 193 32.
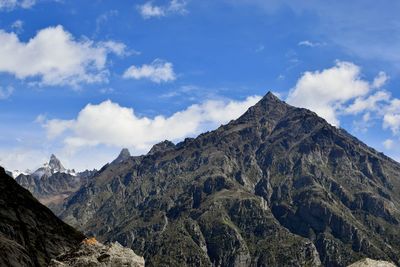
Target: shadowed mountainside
pixel 30 234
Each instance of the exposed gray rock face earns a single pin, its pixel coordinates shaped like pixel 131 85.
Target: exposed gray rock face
pixel 372 263
pixel 92 253
pixel 160 147
pixel 30 234
pixel 55 164
pixel 52 183
pixel 123 155
pixel 277 187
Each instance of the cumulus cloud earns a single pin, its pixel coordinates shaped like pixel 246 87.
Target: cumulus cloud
pixel 158 71
pixel 369 103
pixel 111 124
pixel 5 92
pixel 55 57
pixel 380 80
pixel 326 91
pixel 342 90
pixel 391 119
pixel 149 10
pixel 12 4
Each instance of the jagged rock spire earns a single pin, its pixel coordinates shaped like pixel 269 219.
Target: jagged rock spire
pixel 55 164
pixel 123 155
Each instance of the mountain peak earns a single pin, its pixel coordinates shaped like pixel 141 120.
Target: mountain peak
pixel 55 164
pixel 270 105
pixel 271 95
pixel 271 99
pixel 123 155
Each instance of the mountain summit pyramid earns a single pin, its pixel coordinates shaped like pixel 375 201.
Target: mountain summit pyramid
pixel 55 164
pixel 279 186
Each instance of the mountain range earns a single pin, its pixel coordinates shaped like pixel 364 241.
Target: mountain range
pixel 279 186
pixel 52 182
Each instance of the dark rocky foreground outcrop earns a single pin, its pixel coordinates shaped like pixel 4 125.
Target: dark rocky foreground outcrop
pixel 277 187
pixel 91 253
pixel 30 234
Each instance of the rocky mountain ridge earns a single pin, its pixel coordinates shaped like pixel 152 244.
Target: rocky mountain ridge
pixel 52 182
pixel 277 187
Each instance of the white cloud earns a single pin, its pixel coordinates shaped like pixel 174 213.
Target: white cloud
pixel 17 26
pixel 391 119
pixel 114 47
pixel 111 124
pixel 366 117
pixel 177 7
pixel 158 71
pixel 388 144
pixel 380 80
pixel 309 43
pixel 21 159
pixel 326 91
pixel 340 90
pixel 369 103
pixel 149 10
pixel 55 57
pixel 5 92
pixel 12 4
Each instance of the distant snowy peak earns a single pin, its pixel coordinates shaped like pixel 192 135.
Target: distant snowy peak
pixel 16 173
pixel 49 168
pixel 55 164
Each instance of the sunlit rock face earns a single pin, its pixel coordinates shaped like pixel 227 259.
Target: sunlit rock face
pixel 91 253
pixel 372 263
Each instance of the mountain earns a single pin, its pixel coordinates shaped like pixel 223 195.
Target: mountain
pixel 123 155
pixel 277 187
pixel 16 173
pixel 52 183
pixel 53 166
pixel 30 234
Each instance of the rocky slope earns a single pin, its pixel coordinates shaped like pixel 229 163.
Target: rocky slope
pixel 92 253
pixel 372 263
pixel 30 234
pixel 52 183
pixel 277 187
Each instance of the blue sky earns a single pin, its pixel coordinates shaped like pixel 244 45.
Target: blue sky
pixel 82 79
